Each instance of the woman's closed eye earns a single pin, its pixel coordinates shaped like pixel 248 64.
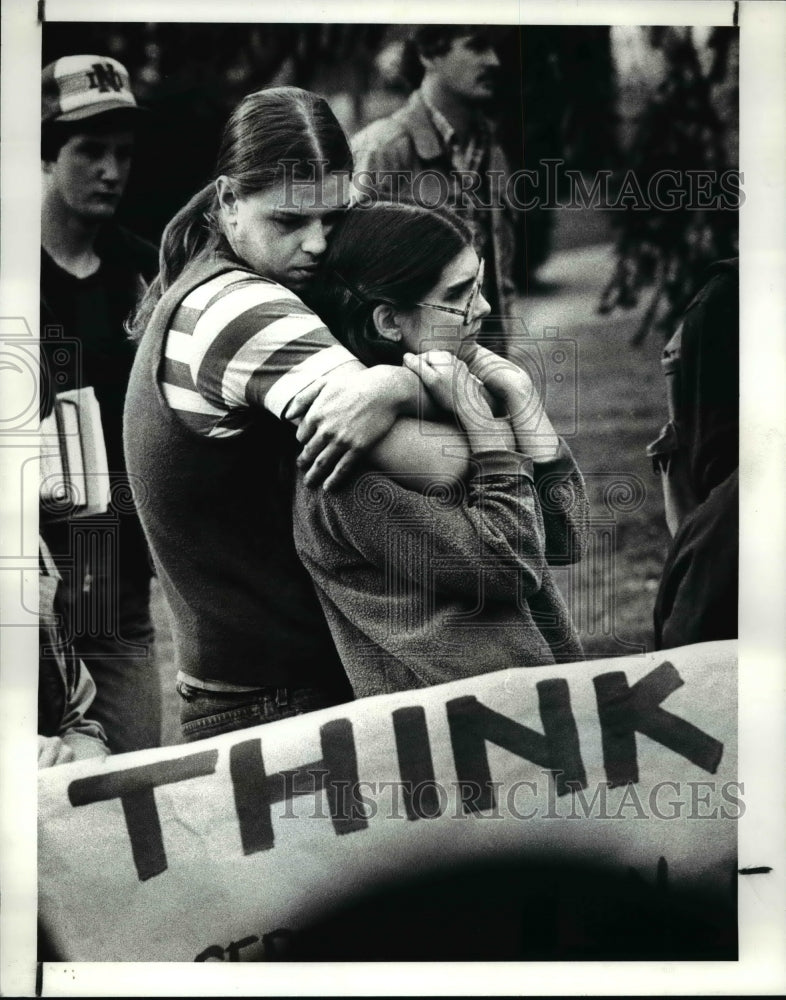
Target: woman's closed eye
pixel 288 223
pixel 293 222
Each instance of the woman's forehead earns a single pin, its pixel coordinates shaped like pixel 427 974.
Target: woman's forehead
pixel 463 268
pixel 311 195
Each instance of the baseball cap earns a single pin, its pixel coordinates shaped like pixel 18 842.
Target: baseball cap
pixel 77 87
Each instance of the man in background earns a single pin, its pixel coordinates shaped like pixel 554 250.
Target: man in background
pixel 92 272
pixel 440 148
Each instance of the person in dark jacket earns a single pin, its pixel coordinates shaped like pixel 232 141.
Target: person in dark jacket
pixel 697 455
pixel 92 274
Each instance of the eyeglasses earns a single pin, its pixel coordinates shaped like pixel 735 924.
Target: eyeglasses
pixel 469 308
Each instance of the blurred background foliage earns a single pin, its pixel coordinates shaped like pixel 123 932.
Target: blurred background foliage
pixel 594 97
pixel 687 122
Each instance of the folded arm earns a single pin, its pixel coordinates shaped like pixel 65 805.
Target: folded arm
pixel 256 346
pixel 478 539
pixel 487 532
pixel 558 480
pixel 382 413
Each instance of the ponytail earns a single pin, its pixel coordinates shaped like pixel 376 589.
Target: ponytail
pixel 193 233
pixel 190 234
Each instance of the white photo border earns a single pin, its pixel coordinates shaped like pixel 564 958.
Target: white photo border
pixel 762 965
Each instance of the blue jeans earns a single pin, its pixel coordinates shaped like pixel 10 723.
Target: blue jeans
pixel 210 713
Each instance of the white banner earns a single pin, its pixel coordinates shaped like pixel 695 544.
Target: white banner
pixel 203 851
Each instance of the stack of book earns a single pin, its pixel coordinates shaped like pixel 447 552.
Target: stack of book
pixel 74 473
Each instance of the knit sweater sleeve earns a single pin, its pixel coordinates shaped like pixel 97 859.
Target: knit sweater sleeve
pixel 563 500
pixel 490 526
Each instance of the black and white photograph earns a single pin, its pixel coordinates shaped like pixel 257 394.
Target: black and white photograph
pixel 389 452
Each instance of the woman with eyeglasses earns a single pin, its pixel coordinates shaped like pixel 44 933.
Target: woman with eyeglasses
pixel 425 587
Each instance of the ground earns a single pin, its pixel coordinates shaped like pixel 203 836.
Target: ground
pixel 609 403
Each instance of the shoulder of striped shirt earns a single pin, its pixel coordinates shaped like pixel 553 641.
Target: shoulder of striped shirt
pixel 211 310
pixel 251 318
pixel 231 282
pixel 214 305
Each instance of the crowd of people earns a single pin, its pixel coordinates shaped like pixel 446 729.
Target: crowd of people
pixel 339 470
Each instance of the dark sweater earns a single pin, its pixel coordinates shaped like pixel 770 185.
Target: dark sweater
pixel 217 515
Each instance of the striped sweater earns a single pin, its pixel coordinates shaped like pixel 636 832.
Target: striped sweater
pixel 211 465
pixel 239 343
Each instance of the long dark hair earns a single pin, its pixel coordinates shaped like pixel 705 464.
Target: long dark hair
pixel 283 132
pixel 387 252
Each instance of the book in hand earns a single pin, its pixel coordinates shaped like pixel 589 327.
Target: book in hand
pixel 74 471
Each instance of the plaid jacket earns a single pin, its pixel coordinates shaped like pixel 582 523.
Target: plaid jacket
pixel 65 688
pixel 409 142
